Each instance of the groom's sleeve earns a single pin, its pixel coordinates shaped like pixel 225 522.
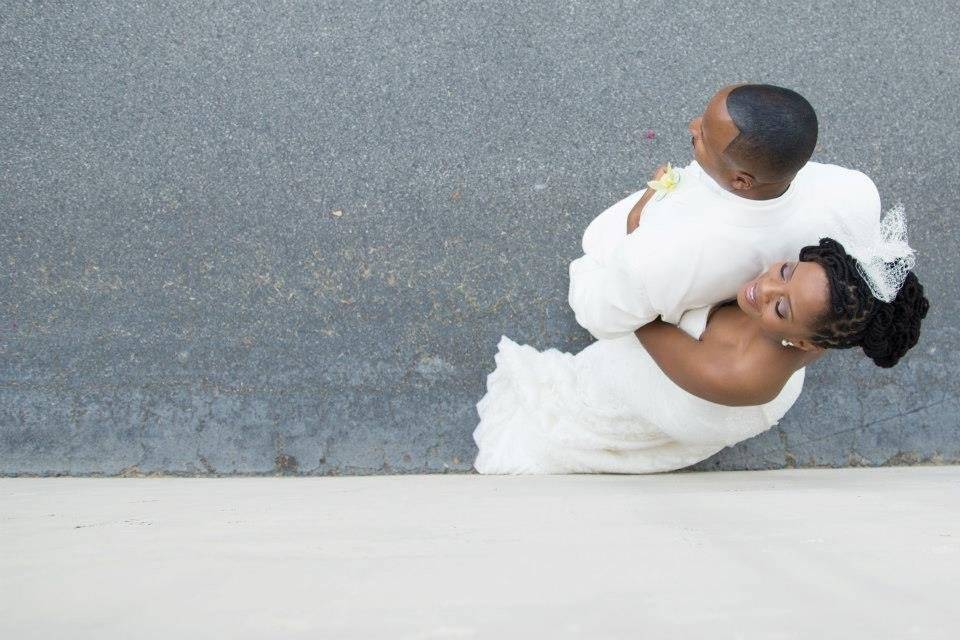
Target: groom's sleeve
pixel 657 271
pixel 605 300
pixel 608 294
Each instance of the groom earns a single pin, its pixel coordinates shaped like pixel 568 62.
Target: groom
pixel 750 198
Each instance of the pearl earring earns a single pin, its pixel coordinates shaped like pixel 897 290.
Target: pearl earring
pixel 786 343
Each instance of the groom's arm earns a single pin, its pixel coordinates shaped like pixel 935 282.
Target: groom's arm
pixel 661 270
pixel 645 276
pixel 607 300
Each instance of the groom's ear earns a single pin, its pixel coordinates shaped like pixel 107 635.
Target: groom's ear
pixel 742 181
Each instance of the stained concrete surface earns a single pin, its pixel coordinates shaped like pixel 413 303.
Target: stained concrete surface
pixel 261 237
pixel 791 554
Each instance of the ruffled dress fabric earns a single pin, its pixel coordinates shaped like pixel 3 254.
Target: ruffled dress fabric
pixel 607 409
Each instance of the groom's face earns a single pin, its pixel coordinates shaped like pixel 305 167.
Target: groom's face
pixel 711 133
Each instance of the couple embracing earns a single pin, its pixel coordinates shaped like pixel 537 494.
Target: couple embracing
pixel 709 292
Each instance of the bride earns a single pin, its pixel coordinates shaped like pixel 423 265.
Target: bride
pixel 669 396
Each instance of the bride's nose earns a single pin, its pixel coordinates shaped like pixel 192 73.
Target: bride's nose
pixel 768 288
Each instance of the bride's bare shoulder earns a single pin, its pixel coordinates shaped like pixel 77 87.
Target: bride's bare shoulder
pixel 754 365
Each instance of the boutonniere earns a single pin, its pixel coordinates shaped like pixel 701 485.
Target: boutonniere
pixel 665 182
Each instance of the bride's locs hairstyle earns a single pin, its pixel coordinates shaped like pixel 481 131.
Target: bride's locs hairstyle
pixel 855 318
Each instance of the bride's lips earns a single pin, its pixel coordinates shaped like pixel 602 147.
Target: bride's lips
pixel 751 296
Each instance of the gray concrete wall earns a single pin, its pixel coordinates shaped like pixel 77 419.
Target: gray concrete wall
pixel 258 237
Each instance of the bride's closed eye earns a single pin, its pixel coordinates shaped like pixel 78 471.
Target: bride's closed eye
pixel 781 308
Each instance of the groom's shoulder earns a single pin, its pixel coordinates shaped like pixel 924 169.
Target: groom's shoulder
pixel 836 177
pixel 830 187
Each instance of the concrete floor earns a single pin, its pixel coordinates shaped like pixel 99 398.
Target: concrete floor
pixel 867 553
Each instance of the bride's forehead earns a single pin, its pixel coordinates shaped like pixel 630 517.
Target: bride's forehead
pixel 811 290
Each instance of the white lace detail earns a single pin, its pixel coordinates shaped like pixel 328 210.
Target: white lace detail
pixel 884 258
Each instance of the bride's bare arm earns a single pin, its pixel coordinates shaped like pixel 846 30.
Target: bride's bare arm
pixel 711 370
pixel 633 218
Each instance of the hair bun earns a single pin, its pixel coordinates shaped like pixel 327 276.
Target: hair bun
pixel 894 327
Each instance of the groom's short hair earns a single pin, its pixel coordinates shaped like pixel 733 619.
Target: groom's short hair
pixel 778 130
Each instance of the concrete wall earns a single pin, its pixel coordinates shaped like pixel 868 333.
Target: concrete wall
pixel 274 237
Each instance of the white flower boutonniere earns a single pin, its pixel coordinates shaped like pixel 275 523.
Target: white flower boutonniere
pixel 665 182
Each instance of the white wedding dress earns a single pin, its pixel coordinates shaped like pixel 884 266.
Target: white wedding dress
pixel 607 409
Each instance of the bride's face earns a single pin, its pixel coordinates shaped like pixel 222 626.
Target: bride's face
pixel 787 299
